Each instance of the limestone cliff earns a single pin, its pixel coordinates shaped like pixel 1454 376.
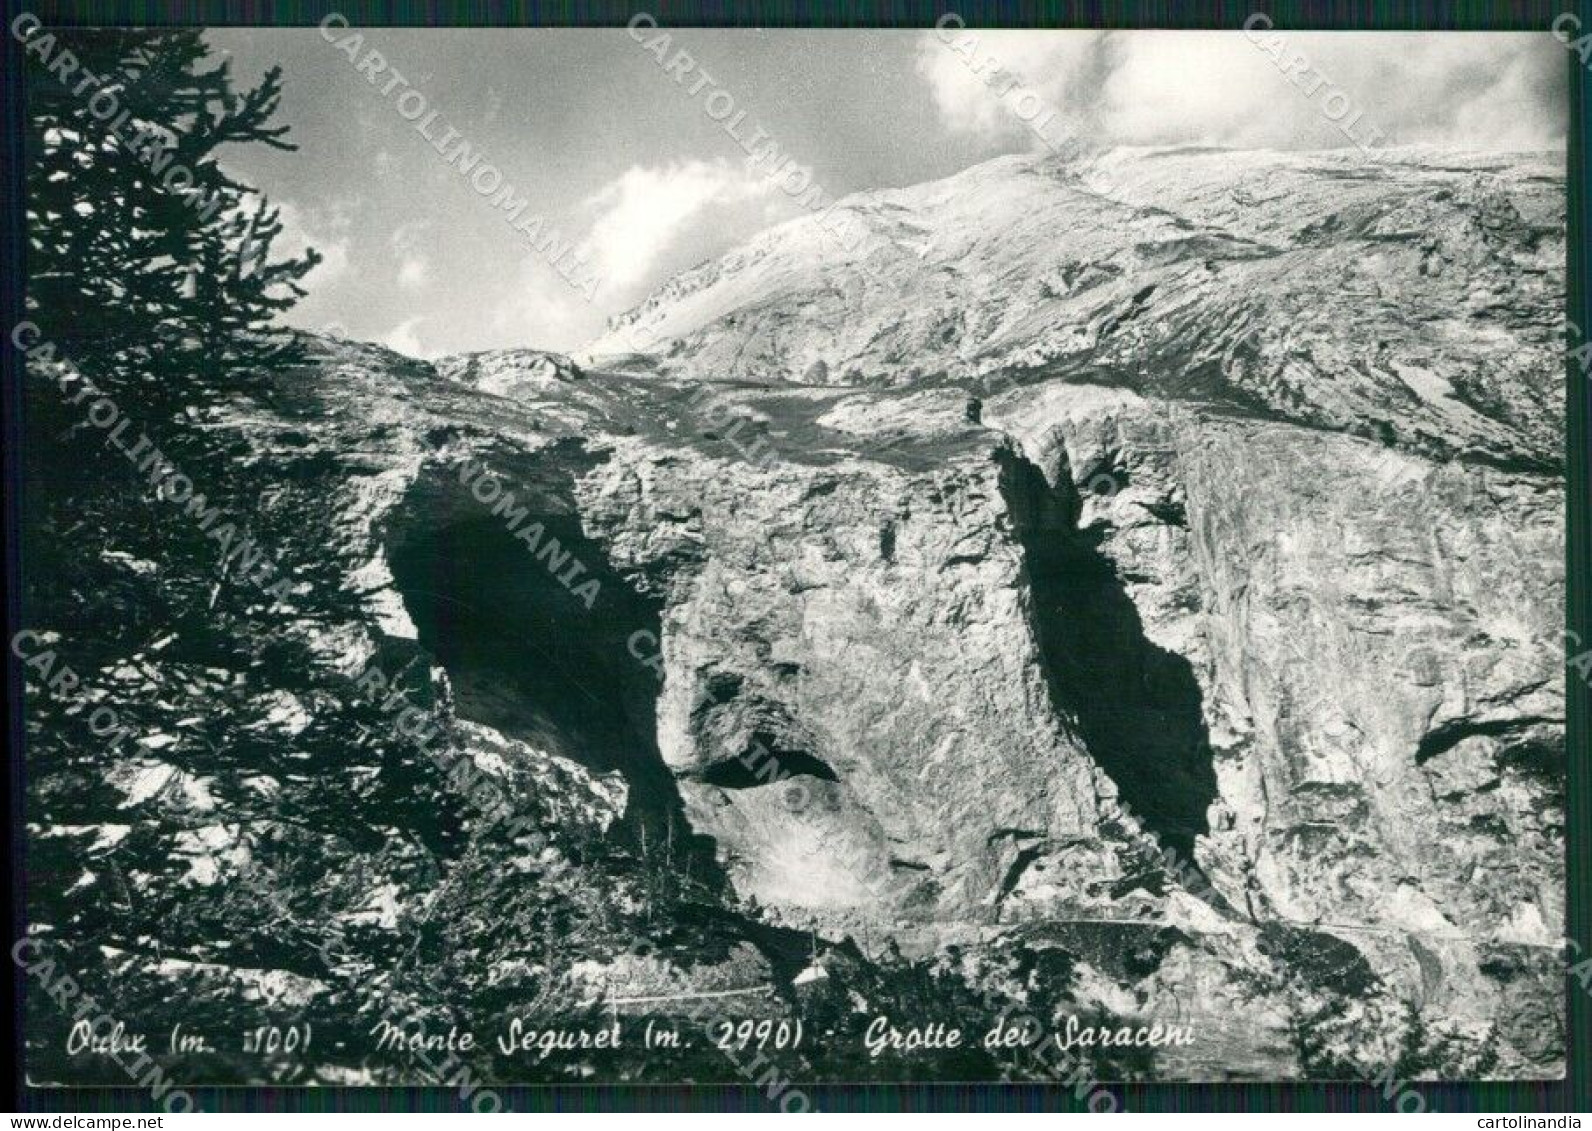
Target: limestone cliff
pixel 1206 669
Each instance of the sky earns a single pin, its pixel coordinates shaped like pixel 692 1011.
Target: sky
pixel 627 165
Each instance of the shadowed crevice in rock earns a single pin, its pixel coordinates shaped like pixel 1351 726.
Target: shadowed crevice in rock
pixel 1444 738
pixel 775 766
pixel 739 774
pixel 1136 706
pixel 523 652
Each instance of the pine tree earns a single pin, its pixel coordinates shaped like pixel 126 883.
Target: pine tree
pixel 149 266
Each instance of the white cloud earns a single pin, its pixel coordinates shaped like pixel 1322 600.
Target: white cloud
pixel 543 311
pixel 405 338
pixel 412 272
pixel 642 224
pixel 406 241
pixel 326 230
pixel 956 68
pixel 1481 91
pixel 645 210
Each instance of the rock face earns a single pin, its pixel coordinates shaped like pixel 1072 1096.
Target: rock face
pixel 1209 673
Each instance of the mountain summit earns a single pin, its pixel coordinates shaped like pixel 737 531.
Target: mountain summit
pixel 1413 290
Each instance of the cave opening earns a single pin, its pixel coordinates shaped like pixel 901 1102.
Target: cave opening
pixel 526 655
pixel 1136 705
pixel 766 760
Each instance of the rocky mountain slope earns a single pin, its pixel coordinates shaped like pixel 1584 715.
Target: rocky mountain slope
pixel 1142 607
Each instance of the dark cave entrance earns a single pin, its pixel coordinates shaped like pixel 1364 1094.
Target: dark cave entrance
pixel 1136 705
pixel 524 653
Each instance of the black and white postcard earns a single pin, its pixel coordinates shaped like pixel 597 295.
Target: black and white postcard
pixel 777 558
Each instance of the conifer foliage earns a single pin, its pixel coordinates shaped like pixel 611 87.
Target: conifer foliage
pixel 149 265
